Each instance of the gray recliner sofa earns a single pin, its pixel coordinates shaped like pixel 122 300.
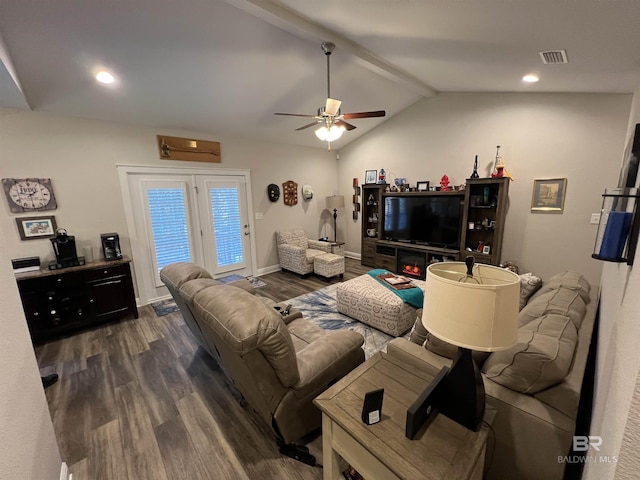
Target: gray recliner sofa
pixel 278 363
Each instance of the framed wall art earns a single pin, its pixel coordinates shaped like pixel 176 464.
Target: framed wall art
pixel 32 228
pixel 370 176
pixel 548 195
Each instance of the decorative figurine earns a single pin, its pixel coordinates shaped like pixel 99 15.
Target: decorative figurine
pixel 475 169
pixel 444 183
pixel 382 177
pixel 499 168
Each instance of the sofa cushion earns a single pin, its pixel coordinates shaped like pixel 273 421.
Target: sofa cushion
pixel 570 280
pixel 529 284
pixel 541 358
pixel 561 301
pixel 245 324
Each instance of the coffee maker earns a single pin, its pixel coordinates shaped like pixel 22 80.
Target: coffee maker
pixel 64 247
pixel 111 246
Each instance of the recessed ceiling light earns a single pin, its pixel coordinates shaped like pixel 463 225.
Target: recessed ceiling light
pixel 105 77
pixel 531 78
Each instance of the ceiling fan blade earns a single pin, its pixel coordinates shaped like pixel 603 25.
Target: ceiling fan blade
pixel 309 125
pixel 342 123
pixel 295 115
pixel 377 113
pixel 332 106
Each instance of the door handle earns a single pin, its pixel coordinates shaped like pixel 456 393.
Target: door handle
pixel 246 230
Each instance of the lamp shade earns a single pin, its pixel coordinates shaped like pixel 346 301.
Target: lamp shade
pixel 478 312
pixel 335 201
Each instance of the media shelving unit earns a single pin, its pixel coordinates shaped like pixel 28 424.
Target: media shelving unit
pixel 484 203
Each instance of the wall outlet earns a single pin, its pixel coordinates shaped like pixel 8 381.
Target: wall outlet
pixel 259 216
pixel 595 218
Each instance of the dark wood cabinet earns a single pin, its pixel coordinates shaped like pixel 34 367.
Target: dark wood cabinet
pixel 61 301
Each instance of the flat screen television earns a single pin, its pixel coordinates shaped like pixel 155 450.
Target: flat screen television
pixel 432 220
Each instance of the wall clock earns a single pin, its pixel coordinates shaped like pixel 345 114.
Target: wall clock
pixel 29 194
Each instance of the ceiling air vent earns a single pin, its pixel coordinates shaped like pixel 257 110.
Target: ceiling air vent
pixel 552 57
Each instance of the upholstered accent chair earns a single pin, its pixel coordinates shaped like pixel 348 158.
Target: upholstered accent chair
pixel 296 251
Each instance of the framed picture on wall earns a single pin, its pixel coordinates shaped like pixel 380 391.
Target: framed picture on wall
pixel 548 195
pixel 370 176
pixel 32 228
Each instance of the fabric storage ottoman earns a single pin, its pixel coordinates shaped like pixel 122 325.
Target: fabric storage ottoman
pixel 366 300
pixel 328 265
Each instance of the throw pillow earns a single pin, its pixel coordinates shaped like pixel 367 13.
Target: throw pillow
pixel 541 358
pixel 529 283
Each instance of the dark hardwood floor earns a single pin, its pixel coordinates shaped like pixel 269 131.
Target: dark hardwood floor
pixel 139 399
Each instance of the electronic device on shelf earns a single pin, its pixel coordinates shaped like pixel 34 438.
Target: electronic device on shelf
pixel 111 246
pixel 64 247
pixel 27 264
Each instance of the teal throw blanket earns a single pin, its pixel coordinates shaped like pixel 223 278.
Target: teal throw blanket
pixel 412 296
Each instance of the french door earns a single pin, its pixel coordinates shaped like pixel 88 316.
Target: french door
pixel 182 215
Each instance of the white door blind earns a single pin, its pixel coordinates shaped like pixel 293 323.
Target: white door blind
pixel 225 206
pixel 169 225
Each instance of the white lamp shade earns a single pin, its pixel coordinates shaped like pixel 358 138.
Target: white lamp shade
pixel 479 313
pixel 331 134
pixel 335 201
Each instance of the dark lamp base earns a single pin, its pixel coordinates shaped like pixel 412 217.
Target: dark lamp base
pixel 456 392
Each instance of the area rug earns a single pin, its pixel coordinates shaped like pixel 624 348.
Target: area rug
pixel 321 308
pixel 164 307
pixel 255 282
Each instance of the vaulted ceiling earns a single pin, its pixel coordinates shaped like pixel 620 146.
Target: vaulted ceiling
pixel 226 66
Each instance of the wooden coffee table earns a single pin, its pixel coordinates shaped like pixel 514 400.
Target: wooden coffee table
pixel 444 450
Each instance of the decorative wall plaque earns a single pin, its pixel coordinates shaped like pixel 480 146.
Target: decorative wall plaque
pixel 290 193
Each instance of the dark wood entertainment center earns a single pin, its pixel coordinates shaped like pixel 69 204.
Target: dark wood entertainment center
pixel 484 204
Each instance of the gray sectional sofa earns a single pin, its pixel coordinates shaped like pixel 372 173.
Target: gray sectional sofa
pixel 536 385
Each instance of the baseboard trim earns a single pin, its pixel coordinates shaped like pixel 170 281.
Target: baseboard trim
pixel 265 270
pixel 354 255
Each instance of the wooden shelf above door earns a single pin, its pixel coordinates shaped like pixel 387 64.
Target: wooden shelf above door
pixel 188 149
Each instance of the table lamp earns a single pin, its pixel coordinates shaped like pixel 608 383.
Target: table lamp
pixel 474 307
pixel 335 202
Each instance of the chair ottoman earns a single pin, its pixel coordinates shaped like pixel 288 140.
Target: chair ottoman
pixel 328 265
pixel 366 300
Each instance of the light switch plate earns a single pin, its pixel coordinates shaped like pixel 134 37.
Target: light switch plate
pixel 595 218
pixel 259 216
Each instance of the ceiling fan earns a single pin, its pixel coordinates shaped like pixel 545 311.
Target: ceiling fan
pixel 329 118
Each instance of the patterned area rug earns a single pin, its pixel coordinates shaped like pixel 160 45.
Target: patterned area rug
pixel 164 307
pixel 256 282
pixel 321 307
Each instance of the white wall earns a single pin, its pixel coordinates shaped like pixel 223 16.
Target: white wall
pixel 80 156
pixel 575 136
pixel 29 449
pixel 616 410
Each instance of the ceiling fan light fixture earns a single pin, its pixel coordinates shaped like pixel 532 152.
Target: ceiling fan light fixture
pixel 331 134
